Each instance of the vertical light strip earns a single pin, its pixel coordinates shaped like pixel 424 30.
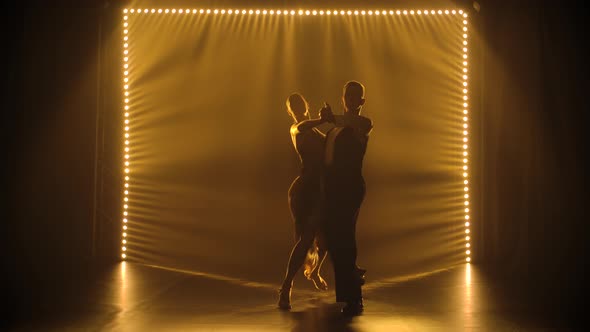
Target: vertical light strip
pixel 465 73
pixel 127 134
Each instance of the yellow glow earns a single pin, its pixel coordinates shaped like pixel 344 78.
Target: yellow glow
pixel 465 146
pixel 467 245
pixel 173 11
pixel 307 12
pixel 123 255
pixel 419 12
pixel 384 12
pixel 363 12
pixel 279 12
pixel 349 12
pixel 411 12
pixel 464 111
pixel 133 10
pixel 125 18
pixel 125 213
pixel 328 12
pixel 465 167
pixel 216 11
pixel 405 12
pixel 468 252
pixel 426 12
pixel 146 11
pixel 342 12
pixel 464 153
pixel 321 12
pixel 272 12
pixel 126 185
pixel 454 11
pixel 464 139
pixel 126 86
pixel 464 175
pixel 467 217
pixel 466 210
pixel 465 182
pixel 377 12
pixel 464 35
pixel 167 11
pixel 356 12
pixel 440 12
pixel 125 207
pixel 125 38
pixel 432 12
pixel 468 259
pixel 315 12
pixel 447 12
pixel 124 241
pixel 465 15
pixel 465 133
pixel 126 170
pixel 464 43
pixel 126 178
pixel 467 224
pixel 466 202
pixel 467 238
pixel 292 12
pixel 466 189
pixel 126 79
pixel 125 10
pixel 398 12
pixel 124 248
pixel 467 231
pixel 461 11
pixel 124 234
pixel 466 196
pixel 370 12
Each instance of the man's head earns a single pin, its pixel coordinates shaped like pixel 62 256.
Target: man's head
pixel 297 107
pixel 353 96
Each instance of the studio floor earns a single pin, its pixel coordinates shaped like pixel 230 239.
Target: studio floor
pixel 135 297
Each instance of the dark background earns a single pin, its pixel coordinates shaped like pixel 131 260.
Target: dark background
pixel 532 182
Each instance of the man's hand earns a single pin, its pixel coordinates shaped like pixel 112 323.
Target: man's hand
pixel 326 114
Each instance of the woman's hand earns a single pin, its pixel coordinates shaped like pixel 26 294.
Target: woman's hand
pixel 326 114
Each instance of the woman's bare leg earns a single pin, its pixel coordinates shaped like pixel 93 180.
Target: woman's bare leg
pixel 296 260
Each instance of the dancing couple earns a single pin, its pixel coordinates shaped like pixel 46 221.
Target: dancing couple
pixel 326 197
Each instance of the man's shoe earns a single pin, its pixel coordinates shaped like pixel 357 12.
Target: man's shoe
pixel 353 308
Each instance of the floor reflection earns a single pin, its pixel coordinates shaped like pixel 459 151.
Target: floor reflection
pixel 133 297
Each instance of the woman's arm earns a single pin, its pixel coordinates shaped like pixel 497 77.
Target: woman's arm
pixel 306 125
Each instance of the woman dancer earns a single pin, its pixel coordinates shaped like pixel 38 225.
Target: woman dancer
pixel 304 198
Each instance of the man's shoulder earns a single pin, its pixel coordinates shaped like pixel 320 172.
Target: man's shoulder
pixel 366 122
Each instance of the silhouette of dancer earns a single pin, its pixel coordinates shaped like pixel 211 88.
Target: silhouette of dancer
pixel 344 189
pixel 304 198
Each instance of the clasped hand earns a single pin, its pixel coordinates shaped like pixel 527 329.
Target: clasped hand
pixel 326 114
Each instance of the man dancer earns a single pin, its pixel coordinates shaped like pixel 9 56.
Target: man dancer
pixel 344 190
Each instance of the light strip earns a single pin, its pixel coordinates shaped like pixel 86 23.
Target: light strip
pixel 127 135
pixel 301 12
pixel 465 87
